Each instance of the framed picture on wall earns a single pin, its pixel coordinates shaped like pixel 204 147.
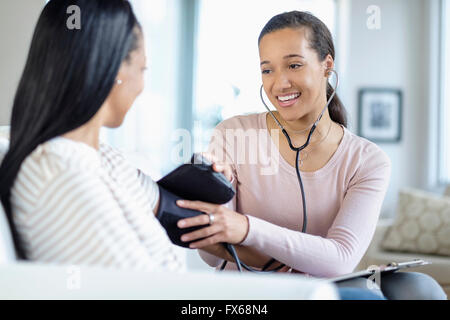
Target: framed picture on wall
pixel 380 114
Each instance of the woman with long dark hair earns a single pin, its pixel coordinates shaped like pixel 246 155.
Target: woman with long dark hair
pixel 68 197
pixel 345 177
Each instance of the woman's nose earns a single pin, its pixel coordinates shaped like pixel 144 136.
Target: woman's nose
pixel 282 82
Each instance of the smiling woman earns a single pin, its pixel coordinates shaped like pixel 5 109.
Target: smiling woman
pixel 345 176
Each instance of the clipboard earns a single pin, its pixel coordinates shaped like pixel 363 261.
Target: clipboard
pixel 391 267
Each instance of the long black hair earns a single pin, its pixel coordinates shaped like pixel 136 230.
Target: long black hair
pixel 67 76
pixel 320 40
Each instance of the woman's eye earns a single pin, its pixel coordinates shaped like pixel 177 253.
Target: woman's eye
pixel 295 66
pixel 265 71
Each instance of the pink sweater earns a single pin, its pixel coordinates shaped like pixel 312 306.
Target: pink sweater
pixel 343 198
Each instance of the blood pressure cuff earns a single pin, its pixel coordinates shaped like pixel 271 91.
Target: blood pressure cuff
pixel 169 213
pixel 193 181
pixel 197 180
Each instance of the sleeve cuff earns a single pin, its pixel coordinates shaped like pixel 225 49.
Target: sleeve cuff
pixel 151 188
pixel 254 229
pixel 155 197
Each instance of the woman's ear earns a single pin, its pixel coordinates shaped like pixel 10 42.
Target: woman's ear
pixel 328 64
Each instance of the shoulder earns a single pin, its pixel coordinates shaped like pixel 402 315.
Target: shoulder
pixel 248 121
pixel 366 150
pixel 116 163
pixel 55 160
pixel 110 152
pixel 367 157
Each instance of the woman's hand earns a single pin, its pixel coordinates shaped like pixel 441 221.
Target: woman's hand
pixel 228 225
pixel 221 167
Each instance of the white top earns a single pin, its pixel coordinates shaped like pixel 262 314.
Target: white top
pixel 74 204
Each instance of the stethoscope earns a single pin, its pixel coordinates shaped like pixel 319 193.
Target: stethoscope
pixel 298 149
pixel 229 247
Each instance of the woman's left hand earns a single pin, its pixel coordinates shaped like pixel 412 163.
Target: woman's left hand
pixel 228 225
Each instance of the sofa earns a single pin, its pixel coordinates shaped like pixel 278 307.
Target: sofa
pixel 439 268
pixel 31 280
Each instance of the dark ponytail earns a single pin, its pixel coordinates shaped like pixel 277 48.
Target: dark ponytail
pixel 68 75
pixel 336 108
pixel 320 40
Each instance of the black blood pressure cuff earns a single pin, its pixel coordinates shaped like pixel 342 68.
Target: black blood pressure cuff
pixel 196 180
pixel 169 213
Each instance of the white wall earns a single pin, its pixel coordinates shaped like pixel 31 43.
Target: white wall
pixel 17 21
pixel 393 56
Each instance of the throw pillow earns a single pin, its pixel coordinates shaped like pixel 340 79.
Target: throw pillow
pixel 422 224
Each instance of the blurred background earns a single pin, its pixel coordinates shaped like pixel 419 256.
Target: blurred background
pixel 204 67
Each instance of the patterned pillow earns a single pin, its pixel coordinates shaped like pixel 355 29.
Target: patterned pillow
pixel 422 224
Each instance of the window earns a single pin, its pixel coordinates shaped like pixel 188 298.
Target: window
pixel 228 76
pixel 444 116
pixel 146 133
pixel 203 67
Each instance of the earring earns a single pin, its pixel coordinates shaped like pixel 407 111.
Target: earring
pixel 328 72
pixel 119 82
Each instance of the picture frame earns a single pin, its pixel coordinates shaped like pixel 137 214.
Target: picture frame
pixel 380 114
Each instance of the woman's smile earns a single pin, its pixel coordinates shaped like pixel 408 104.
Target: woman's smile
pixel 288 100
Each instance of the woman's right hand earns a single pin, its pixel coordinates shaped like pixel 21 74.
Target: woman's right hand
pixel 218 166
